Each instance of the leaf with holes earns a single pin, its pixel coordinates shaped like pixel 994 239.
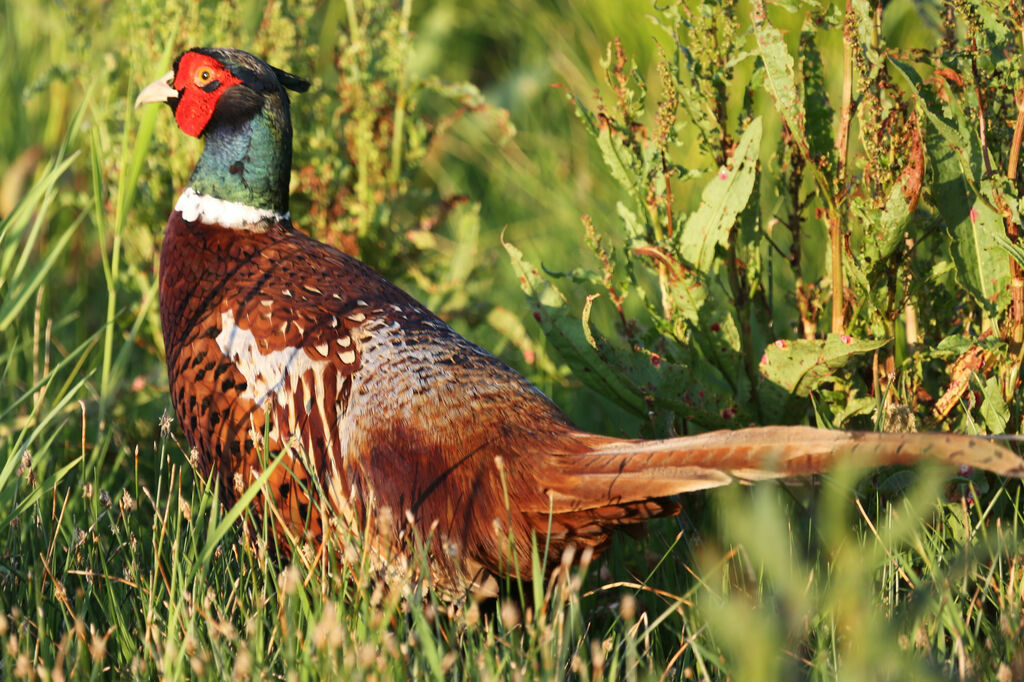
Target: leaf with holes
pixel 802 365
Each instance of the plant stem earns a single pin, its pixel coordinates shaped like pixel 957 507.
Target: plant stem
pixel 842 148
pixel 1013 233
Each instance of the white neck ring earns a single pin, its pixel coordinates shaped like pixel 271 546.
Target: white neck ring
pixel 195 207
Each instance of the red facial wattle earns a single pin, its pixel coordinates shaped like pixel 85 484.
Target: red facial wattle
pixel 194 77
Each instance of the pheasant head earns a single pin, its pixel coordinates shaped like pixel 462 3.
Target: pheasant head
pixel 238 104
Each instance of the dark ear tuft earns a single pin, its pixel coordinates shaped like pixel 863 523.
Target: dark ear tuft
pixel 290 81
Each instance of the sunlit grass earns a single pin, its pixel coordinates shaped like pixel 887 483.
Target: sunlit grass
pixel 153 578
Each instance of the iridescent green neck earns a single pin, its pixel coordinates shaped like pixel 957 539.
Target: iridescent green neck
pixel 249 161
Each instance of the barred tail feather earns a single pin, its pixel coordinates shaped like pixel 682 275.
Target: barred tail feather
pixel 618 472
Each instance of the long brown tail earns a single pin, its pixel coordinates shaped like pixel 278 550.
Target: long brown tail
pixel 615 473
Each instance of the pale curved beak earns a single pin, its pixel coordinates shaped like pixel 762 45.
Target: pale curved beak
pixel 159 90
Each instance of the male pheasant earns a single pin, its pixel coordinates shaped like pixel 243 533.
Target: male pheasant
pixel 277 343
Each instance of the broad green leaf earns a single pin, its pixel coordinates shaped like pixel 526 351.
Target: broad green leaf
pixel 897 482
pixel 722 200
pixel 793 6
pixel 801 365
pixel 881 237
pixel 863 13
pixel 855 406
pixel 619 158
pixel 994 409
pixel 953 345
pixel 994 20
pixel 981 263
pixel 957 344
pixel 821 145
pixel 974 230
pixel 690 385
pixel 1016 251
pixel 780 78
pixel 636 377
pixel 567 333
pixel 511 327
pixel 635 230
pixel 951 136
pixel 686 298
pixel 699 107
pixel 892 222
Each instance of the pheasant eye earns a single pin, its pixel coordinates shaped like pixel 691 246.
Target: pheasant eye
pixel 203 76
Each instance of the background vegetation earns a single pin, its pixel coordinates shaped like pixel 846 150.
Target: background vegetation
pixel 725 214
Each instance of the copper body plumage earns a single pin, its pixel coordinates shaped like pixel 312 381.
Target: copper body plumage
pixel 278 343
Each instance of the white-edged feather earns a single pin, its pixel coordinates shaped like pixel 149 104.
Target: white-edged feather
pixel 267 373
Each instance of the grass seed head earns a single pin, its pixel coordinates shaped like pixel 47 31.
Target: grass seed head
pixel 448 661
pixel 98 647
pixel 23 668
pixel 367 655
pixel 165 424
pixel 243 665
pixel 596 657
pixel 472 614
pixel 510 614
pixel 26 467
pixel 627 607
pixel 327 634
pixel 289 580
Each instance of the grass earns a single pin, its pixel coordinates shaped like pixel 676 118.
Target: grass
pixel 116 560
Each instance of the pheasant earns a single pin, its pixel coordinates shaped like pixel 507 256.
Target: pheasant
pixel 386 422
